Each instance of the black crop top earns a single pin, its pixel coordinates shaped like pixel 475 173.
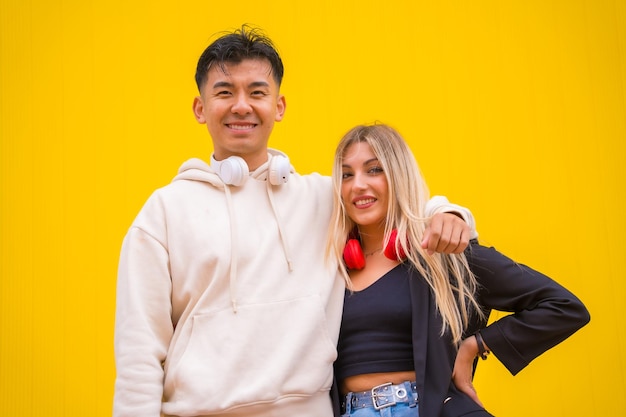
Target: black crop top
pixel 375 331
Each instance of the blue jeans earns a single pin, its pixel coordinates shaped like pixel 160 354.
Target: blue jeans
pixel 398 410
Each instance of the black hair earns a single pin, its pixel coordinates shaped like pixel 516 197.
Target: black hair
pixel 233 47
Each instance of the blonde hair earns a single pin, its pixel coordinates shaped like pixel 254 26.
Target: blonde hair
pixel 449 276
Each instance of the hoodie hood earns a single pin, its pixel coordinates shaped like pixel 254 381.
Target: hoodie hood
pixel 196 169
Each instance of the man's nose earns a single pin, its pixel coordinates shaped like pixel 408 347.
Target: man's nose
pixel 241 104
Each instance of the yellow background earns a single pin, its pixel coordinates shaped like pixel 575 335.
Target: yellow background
pixel 514 109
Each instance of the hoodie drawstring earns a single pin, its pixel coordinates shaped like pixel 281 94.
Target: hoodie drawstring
pixel 233 239
pixel 233 249
pixel 283 239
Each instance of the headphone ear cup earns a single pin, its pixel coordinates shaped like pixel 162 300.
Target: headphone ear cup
pixel 280 167
pixel 353 255
pixel 390 250
pixel 232 170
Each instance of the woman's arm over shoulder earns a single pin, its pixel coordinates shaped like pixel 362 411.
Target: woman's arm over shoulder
pixel 544 312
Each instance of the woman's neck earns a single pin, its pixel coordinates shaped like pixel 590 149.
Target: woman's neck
pixel 371 239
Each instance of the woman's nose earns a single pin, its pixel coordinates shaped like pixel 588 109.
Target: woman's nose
pixel 359 182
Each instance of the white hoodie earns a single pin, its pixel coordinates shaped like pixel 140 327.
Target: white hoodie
pixel 225 305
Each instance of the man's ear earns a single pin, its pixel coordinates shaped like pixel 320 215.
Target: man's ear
pixel 281 106
pixel 198 109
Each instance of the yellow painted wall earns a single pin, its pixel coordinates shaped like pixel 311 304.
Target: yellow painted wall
pixel 516 109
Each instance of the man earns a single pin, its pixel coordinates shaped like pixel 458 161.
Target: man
pixel 225 305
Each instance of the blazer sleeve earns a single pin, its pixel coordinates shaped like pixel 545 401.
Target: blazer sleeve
pixel 544 313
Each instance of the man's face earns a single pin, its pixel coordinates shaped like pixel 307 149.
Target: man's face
pixel 239 105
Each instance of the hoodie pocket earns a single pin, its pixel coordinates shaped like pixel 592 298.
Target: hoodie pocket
pixel 259 354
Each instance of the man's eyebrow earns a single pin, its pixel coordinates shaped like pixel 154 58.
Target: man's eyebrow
pixel 254 84
pixel 220 84
pixel 258 84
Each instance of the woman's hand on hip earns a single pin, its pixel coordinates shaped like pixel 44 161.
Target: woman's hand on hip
pixel 464 366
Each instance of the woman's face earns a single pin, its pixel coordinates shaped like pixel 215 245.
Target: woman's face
pixel 364 188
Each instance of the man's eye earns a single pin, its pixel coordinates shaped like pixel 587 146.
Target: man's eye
pixel 223 93
pixel 258 93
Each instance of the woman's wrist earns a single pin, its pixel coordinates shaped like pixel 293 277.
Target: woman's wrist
pixel 482 348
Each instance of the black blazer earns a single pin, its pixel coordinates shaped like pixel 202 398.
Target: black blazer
pixel 544 314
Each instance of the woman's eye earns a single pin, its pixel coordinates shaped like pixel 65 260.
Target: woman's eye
pixel 345 175
pixel 376 170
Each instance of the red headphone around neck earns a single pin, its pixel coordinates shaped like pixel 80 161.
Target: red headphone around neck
pixel 355 259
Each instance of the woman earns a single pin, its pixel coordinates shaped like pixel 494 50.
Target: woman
pixel 414 322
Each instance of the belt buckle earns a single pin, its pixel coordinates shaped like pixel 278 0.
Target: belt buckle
pixel 375 397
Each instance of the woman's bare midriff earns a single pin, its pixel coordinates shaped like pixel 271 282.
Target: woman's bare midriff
pixel 366 382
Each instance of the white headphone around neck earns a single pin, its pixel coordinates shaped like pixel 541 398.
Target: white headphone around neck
pixel 234 170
